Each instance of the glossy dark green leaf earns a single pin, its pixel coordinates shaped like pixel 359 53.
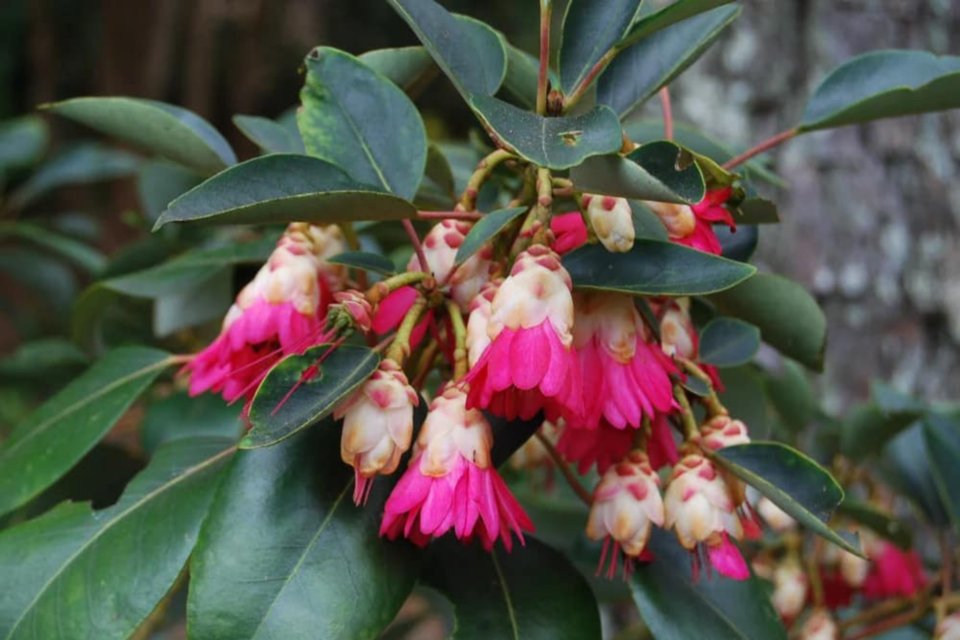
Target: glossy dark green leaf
pixel 653 268
pixel 728 342
pixel 906 467
pixel 286 554
pixel 744 397
pixel 438 188
pixel 659 171
pixel 469 52
pixel 41 358
pixel 56 435
pixel 74 251
pixel 696 386
pixel 792 481
pixel 884 84
pixel 365 261
pixel 208 299
pixel 531 593
pixel 590 29
pixel 284 188
pixel 172 132
pixel 789 319
pixel 358 120
pixel 792 396
pixel 485 229
pixel 23 142
pixel 80 164
pixel 646 224
pixel 275 415
pixel 942 437
pixel 868 427
pixel 406 67
pixel 881 523
pixel 756 211
pixel 641 70
pixel 558 143
pixel 675 607
pixel 739 244
pixel 161 182
pixel 180 416
pixel 78 573
pixel 520 82
pixel 269 135
pixel 675 12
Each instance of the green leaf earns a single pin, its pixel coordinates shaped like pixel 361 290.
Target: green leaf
pixel 284 188
pixel 739 244
pixel 756 211
pixel 558 143
pixel 744 396
pixel 531 593
pixel 172 132
pixel 79 253
pixel 286 554
pixel 485 229
pixel 275 416
pixel 675 607
pixel 671 14
pixel 42 358
pixel 180 416
pixel 942 437
pixel 906 466
pixel 23 142
pixel 792 481
pixel 641 70
pixel 208 299
pixel 659 171
pixel 469 52
pixel 881 523
pixel 789 319
pixel 523 73
pixel 365 261
pixel 591 29
pixel 358 120
pixel 438 187
pixel 728 342
pixel 653 268
pixel 56 435
pixel 870 426
pixel 792 396
pixel 159 183
pixel 269 135
pixel 78 573
pixel 884 84
pixel 646 224
pixel 406 67
pixel 81 164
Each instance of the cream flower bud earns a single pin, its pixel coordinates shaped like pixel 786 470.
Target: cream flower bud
pixel 290 275
pixel 612 220
pixel 677 333
pixel 949 628
pixel 722 431
pixel 774 516
pixel 440 248
pixel 452 431
pixel 854 569
pixel 378 421
pixel 819 626
pixel 480 309
pixel 698 504
pixel 679 219
pixel 789 588
pixel 626 503
pixel 538 289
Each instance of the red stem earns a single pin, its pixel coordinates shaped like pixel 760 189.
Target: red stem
pixel 667 113
pixel 542 79
pixel 417 247
pixel 781 137
pixel 581 88
pixel 449 215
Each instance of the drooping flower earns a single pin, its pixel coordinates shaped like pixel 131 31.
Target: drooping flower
pixel 612 221
pixel 693 225
pixel 440 247
pixel 451 482
pixel 701 510
pixel 790 586
pixel 626 504
pixel 625 374
pixel 894 572
pixel 377 426
pixel 280 312
pixel 529 364
pixel 569 230
pixel 819 626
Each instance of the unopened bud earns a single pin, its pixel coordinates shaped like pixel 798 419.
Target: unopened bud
pixel 819 626
pixel 612 220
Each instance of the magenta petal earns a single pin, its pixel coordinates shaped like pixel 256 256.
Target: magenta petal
pixel 558 369
pixel 727 559
pixel 391 309
pixel 529 357
pixel 436 507
pixel 499 375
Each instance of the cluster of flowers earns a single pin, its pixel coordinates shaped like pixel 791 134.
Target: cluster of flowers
pixel 602 373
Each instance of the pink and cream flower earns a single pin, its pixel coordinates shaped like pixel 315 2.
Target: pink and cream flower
pixel 377 426
pixel 440 248
pixel 612 221
pixel 451 483
pixel 692 226
pixel 529 363
pixel 280 312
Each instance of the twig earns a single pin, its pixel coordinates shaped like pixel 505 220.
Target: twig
pixel 667 113
pixel 760 148
pixel 543 78
pixel 449 215
pixel 565 469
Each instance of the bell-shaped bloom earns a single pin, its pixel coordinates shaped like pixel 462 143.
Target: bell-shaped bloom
pixel 377 426
pixel 569 231
pixel 626 504
pixel 451 483
pixel 601 446
pixel 440 247
pixel 530 363
pixel 790 587
pixel 612 221
pixel 280 312
pixel 701 510
pixel 820 626
pixel 625 374
pixel 894 572
pixel 949 628
pixel 718 433
pixel 693 225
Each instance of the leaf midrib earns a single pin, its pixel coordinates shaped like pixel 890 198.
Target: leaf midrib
pixel 109 525
pixel 506 596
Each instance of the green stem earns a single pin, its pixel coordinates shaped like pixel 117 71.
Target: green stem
pixel 544 203
pixel 468 201
pixel 382 289
pixel 400 347
pixel 460 340
pixel 543 78
pixel 711 402
pixel 690 431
